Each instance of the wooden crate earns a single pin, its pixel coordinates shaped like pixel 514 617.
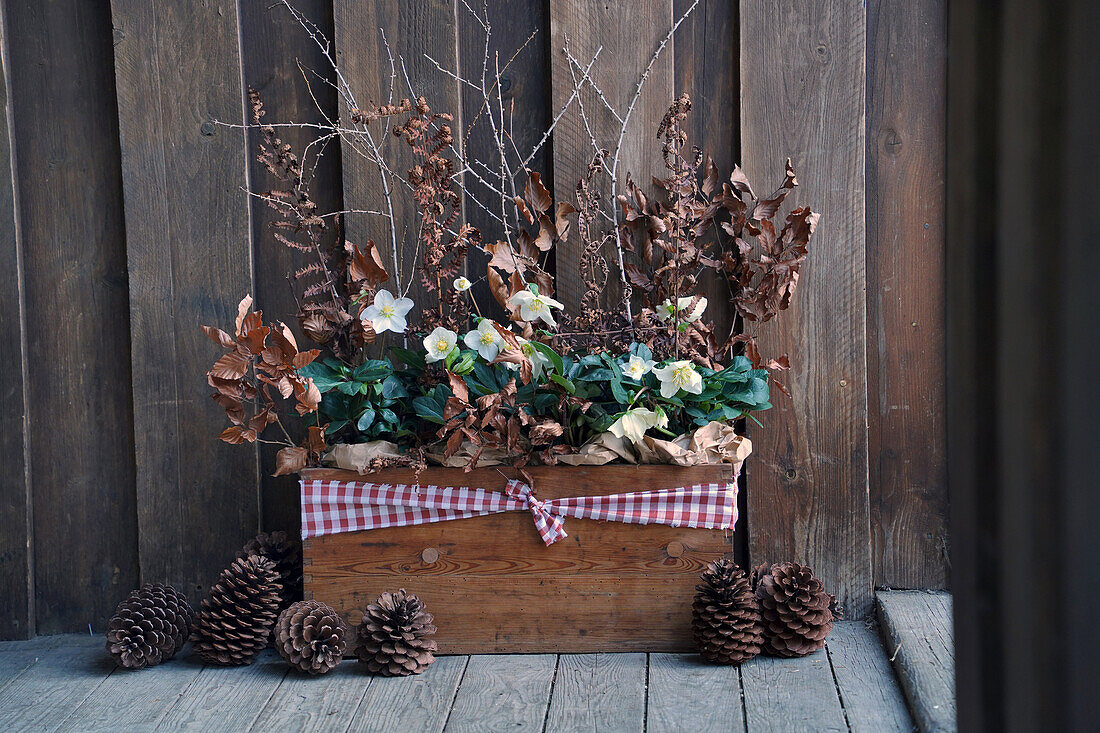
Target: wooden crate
pixel 494 587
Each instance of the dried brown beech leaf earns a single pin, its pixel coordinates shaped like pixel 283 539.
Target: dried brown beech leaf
pixel 522 206
pixel 220 337
pixel 497 287
pixel 242 310
pixel 291 460
pixel 309 397
pixel 366 265
pixel 536 193
pixel 237 434
pixel 458 387
pixel 561 219
pixel 315 440
pixel 233 365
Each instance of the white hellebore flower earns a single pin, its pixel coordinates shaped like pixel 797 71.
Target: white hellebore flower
pixel 439 343
pixel 539 360
pixel 665 311
pixel 485 340
pixel 637 367
pixel 632 424
pixel 679 375
pixel 387 313
pixel 462 284
pixel 533 306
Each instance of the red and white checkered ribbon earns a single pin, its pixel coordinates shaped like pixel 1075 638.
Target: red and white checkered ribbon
pixel 329 507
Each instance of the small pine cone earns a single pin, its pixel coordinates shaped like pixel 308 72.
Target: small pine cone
pixel 797 611
pixel 286 553
pixel 236 619
pixel 395 636
pixel 725 619
pixel 149 626
pixel 310 637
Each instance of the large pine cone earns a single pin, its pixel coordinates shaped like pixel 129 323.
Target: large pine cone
pixel 236 619
pixel 797 611
pixel 149 626
pixel 725 618
pixel 395 636
pixel 310 637
pixel 286 552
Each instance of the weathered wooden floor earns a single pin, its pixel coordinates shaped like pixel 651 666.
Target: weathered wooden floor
pixel 916 629
pixel 70 683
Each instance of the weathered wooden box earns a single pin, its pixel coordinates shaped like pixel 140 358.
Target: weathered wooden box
pixel 494 587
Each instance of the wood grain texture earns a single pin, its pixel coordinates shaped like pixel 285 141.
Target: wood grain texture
pixel 629 32
pixel 133 700
pixel 78 407
pixel 308 703
pixel 412 29
pixel 599 692
pixel 234 696
pixel 419 703
pixel 687 695
pixel 791 695
pixel 188 242
pixel 503 693
pixel 906 389
pixel 288 69
pixel 608 586
pixel 66 675
pixel 802 95
pixel 916 630
pixel 16 569
pixel 872 701
pixel 525 96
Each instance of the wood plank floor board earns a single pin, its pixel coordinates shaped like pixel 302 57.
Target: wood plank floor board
pixel 872 701
pixel 64 677
pixel 134 700
pixel 419 703
pixel 917 634
pixel 504 693
pixel 598 692
pixel 16 657
pixel 227 697
pixel 791 695
pixel 305 703
pixel 685 694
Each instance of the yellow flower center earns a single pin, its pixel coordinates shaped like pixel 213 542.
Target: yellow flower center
pixel 682 375
pixel 441 346
pixel 488 338
pixel 388 311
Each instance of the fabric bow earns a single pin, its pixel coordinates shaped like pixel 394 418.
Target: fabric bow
pixel 550 525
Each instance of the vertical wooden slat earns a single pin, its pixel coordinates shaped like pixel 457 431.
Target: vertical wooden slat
pixel 16 570
pixel 70 216
pixel 287 67
pixel 802 95
pixel 629 32
pixel 187 228
pixel 906 116
pixel 525 94
pixel 412 30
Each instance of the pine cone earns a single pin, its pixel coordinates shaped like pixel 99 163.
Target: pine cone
pixel 149 626
pixel 395 636
pixel 725 619
pixel 286 553
pixel 310 637
pixel 797 611
pixel 235 620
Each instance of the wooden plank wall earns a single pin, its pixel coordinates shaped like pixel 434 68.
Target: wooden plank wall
pixel 126 224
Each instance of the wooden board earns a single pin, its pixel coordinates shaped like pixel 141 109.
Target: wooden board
pixel 190 261
pixel 685 694
pixel 510 692
pixel 16 570
pixel 791 695
pixel 288 69
pixel 133 700
pixel 870 695
pixel 495 587
pixel 306 702
pixel 421 702
pixel 66 674
pixel 599 692
pixel 802 96
pixel 906 389
pixel 79 413
pixel 916 630
pixel 412 30
pixel 629 32
pixel 233 696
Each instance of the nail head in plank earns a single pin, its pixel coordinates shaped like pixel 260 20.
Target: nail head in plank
pixel 598 692
pixel 419 703
pixel 791 695
pixel 685 694
pixel 503 693
pixel 868 689
pixel 916 630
